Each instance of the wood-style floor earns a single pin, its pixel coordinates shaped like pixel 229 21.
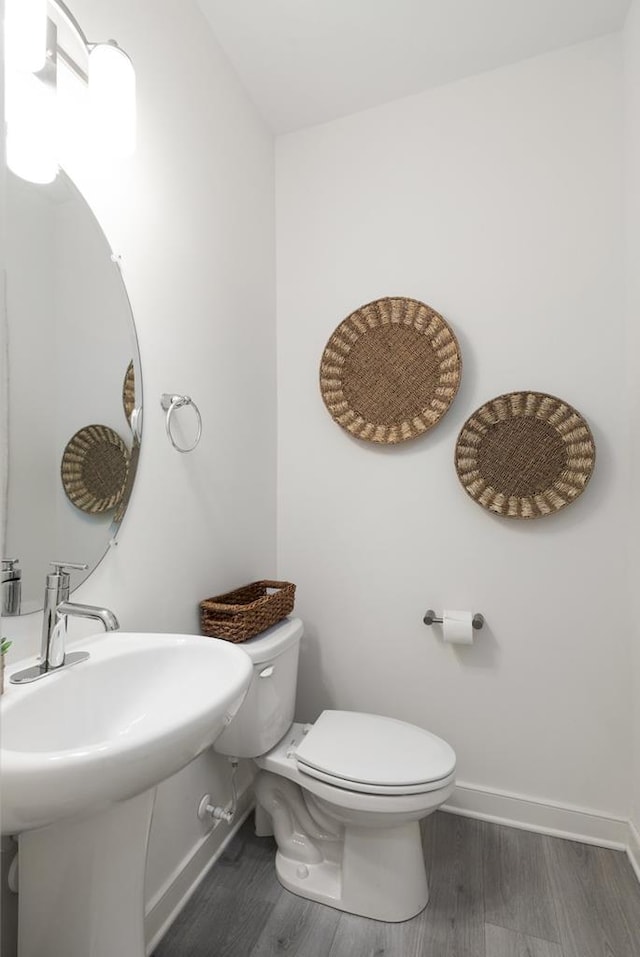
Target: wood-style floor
pixel 495 892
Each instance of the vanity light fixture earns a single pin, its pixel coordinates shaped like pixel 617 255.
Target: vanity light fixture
pixel 26 33
pixel 34 113
pixel 112 97
pixel 30 118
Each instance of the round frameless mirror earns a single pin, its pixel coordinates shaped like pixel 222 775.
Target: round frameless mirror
pixel 73 389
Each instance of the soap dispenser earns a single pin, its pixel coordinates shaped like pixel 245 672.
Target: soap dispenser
pixel 11 587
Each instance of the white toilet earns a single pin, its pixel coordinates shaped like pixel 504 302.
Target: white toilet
pixel 343 796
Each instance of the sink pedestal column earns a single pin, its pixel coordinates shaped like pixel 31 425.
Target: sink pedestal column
pixel 81 884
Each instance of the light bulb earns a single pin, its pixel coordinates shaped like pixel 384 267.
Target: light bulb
pixel 31 139
pixel 112 96
pixel 26 34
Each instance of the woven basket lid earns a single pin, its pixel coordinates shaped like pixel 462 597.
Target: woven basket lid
pixel 94 469
pixel 129 391
pixel 390 370
pixel 525 455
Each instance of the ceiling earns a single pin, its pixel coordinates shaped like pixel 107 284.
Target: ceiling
pixel 308 61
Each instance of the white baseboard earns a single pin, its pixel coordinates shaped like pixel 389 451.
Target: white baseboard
pixel 633 848
pixel 530 814
pixel 163 909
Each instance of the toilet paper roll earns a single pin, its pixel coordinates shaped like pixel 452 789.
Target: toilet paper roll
pixel 457 627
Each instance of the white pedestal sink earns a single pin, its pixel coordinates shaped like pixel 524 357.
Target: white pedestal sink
pixel 82 752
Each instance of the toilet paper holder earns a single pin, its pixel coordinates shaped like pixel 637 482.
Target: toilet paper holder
pixel 430 619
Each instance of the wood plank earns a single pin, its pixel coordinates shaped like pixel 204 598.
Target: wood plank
pixel 597 900
pixel 229 910
pixel 297 928
pixel 621 883
pixel 517 887
pixel 220 923
pixel 501 942
pixel 248 865
pixel 361 937
pixel 453 920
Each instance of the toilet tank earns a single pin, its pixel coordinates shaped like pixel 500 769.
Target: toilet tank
pixel 266 713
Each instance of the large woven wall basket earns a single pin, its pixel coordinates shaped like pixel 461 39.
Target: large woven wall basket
pixel 525 455
pixel 390 370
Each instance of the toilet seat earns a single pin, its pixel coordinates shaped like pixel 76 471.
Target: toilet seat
pixel 281 762
pixel 372 754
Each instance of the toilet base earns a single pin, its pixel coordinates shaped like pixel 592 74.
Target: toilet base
pixel 381 875
pixel 373 871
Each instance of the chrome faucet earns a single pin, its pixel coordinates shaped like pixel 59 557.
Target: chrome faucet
pixel 11 587
pixel 57 608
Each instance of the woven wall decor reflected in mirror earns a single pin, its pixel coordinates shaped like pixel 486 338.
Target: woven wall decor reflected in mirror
pixel 390 370
pixel 525 455
pixel 129 391
pixel 94 469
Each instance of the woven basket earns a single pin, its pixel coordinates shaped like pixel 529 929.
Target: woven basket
pixel 245 612
pixel 129 391
pixel 390 370
pixel 525 455
pixel 94 469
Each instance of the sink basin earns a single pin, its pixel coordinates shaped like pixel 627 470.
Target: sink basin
pixel 139 709
pixel 82 752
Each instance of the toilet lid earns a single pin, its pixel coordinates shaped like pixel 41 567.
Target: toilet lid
pixel 374 754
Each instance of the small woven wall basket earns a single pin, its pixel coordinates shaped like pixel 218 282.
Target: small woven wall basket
pixel 525 455
pixel 94 469
pixel 390 370
pixel 245 612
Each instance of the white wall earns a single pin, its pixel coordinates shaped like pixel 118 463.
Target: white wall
pixel 192 216
pixel 632 197
pixel 498 201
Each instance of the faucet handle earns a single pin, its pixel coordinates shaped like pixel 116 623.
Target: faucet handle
pixel 68 566
pixel 59 578
pixel 10 570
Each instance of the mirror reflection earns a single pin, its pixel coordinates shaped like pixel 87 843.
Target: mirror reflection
pixel 73 389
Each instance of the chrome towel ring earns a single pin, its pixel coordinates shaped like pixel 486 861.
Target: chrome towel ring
pixel 170 403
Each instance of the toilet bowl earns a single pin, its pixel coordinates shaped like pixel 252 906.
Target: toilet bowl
pixel 343 796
